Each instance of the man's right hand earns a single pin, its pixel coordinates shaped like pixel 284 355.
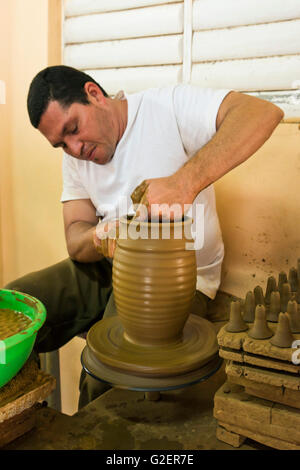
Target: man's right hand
pixel 105 237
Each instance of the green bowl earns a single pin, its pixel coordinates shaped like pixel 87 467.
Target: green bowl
pixel 15 350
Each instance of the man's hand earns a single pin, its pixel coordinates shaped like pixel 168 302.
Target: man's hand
pixel 105 237
pixel 166 198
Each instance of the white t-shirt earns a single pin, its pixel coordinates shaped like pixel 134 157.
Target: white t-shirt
pixel 165 127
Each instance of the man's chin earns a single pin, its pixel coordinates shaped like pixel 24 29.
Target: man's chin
pixel 102 161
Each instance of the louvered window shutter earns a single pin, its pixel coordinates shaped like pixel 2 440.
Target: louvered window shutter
pixel 247 45
pixel 125 44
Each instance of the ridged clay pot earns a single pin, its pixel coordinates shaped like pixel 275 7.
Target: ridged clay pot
pixel 154 280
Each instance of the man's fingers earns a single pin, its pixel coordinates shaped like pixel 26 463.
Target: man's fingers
pixel 111 248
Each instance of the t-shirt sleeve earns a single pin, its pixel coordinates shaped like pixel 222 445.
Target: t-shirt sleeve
pixel 196 112
pixel 72 185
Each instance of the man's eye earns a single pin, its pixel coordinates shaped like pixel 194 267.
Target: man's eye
pixel 75 130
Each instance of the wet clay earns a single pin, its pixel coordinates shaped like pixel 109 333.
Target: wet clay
pixel 260 329
pixel 283 337
pixel 12 322
pixel 196 347
pixel 154 281
pixel 236 322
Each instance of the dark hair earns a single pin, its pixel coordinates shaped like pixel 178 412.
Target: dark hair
pixel 57 83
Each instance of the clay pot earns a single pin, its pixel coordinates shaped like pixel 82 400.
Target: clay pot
pixel 154 280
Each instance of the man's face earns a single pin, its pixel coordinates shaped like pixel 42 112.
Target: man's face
pixel 87 132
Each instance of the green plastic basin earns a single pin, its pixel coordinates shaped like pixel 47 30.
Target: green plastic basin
pixel 15 350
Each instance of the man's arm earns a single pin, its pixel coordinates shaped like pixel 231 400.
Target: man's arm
pixel 243 124
pixel 80 221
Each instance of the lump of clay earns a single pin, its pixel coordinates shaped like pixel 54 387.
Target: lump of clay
pixel 259 296
pixel 283 337
pixel 285 296
pixel 271 287
pixel 282 279
pixel 294 316
pixel 249 307
pixel 236 322
pixel 293 279
pixel 260 329
pixel 274 309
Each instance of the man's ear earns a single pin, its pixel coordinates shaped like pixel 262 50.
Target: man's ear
pixel 93 92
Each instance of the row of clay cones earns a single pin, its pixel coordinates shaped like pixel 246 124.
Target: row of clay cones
pixel 277 296
pixel 288 323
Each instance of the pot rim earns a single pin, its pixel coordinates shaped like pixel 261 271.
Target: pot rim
pixel 125 219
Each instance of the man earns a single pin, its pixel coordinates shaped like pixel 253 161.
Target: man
pixel 175 142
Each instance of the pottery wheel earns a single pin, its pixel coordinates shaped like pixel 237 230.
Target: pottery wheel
pixel 127 381
pixel 198 345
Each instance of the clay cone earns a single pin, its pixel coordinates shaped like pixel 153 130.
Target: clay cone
pixel 271 287
pixel 259 296
pixel 285 296
pixel 274 309
pixel 298 268
pixel 283 337
pixel 293 279
pixel 282 279
pixel 236 322
pixel 294 316
pixel 249 307
pixel 260 329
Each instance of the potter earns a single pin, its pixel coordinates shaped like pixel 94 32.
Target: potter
pixel 178 140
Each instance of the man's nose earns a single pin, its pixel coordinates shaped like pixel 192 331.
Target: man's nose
pixel 74 146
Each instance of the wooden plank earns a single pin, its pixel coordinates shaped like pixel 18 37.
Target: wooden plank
pixel 244 412
pixel 271 363
pixel 268 377
pixel 231 340
pixel 78 7
pixel 263 348
pixel 236 13
pixel 16 426
pixel 266 391
pixel 270 441
pixel 28 387
pixel 133 79
pixel 125 53
pixel 287 417
pixel 239 406
pixel 187 41
pixel 262 74
pixel 246 42
pixel 231 355
pixel 141 22
pixel 231 438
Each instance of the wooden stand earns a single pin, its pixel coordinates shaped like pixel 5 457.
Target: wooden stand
pixel 241 415
pixel 19 400
pixel 261 399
